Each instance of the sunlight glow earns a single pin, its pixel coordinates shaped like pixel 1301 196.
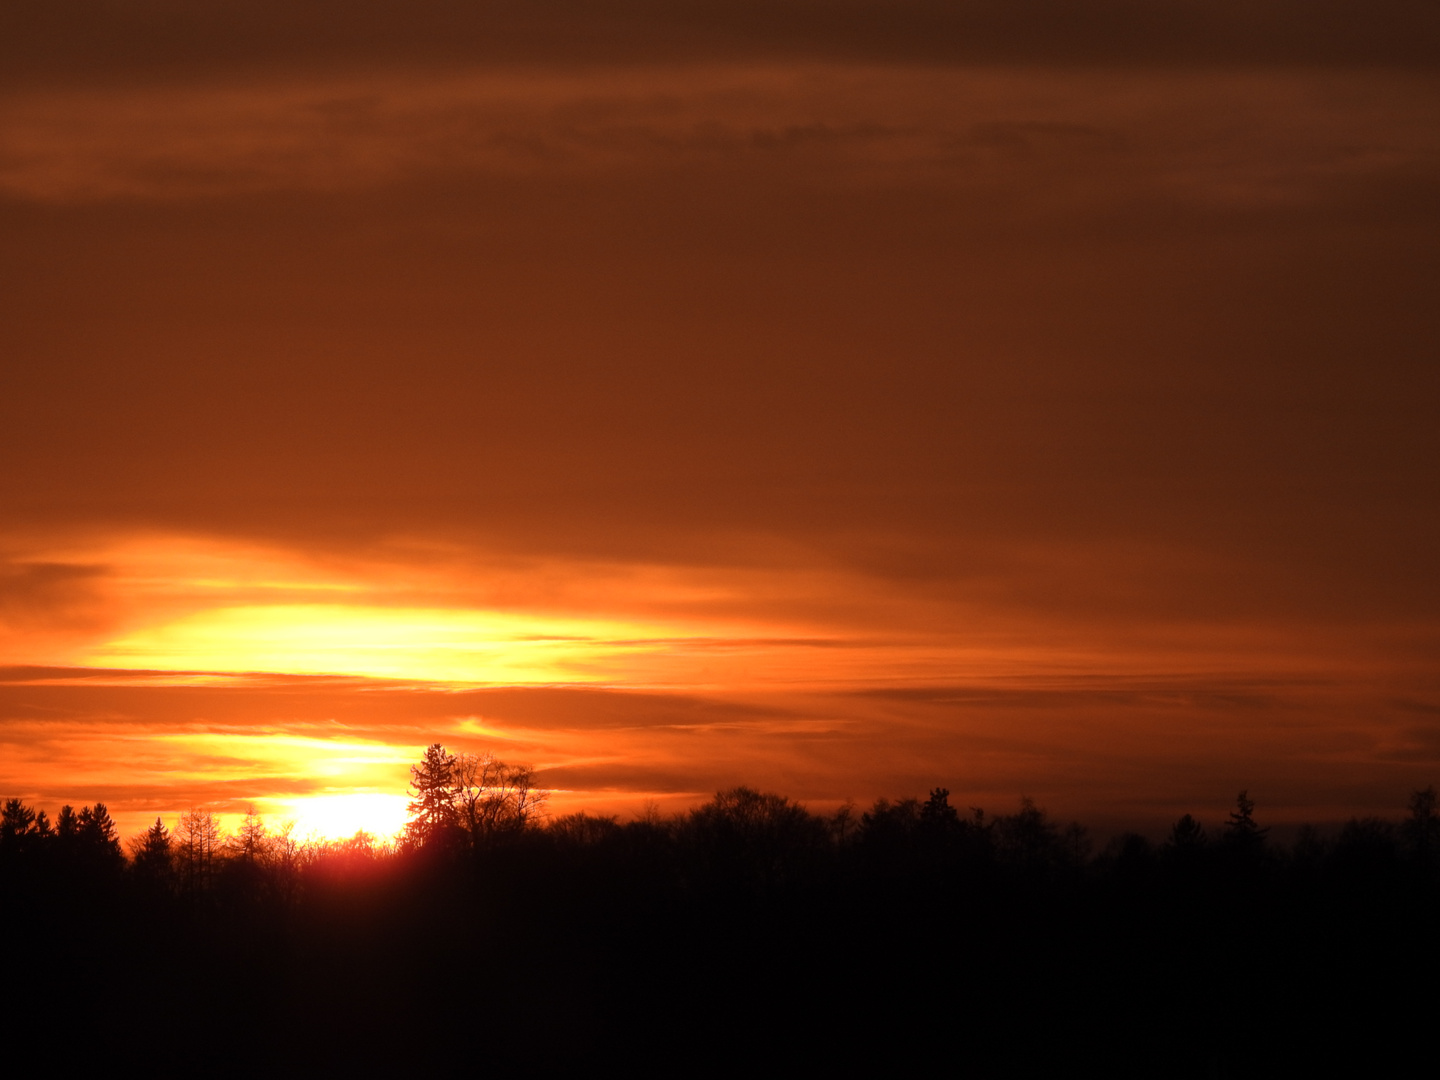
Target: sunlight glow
pixel 339 817
pixel 429 644
pixel 242 753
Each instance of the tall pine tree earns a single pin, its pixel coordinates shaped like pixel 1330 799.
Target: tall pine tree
pixel 433 815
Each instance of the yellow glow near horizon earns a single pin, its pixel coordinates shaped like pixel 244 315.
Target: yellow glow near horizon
pixel 364 782
pixel 246 751
pixel 411 643
pixel 479 647
pixel 339 817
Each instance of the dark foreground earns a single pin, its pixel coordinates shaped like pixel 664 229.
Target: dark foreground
pixel 749 935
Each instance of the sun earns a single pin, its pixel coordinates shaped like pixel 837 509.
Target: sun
pixel 339 817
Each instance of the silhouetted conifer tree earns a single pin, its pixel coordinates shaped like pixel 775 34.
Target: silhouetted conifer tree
pixel 15 821
pixel 937 816
pixel 67 825
pixel 99 840
pixel 433 816
pixel 1187 834
pixel 1241 832
pixel 251 843
pixel 151 854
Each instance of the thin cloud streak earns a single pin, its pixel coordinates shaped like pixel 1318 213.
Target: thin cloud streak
pixel 173 40
pixel 1108 750
pixel 1290 139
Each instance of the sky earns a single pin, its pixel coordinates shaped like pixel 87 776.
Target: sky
pixel 842 398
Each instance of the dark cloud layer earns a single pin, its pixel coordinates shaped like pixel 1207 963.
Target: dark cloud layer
pixel 1007 369
pixel 339 707
pixel 93 38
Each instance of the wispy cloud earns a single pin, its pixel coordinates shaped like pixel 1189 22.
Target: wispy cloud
pixel 1205 138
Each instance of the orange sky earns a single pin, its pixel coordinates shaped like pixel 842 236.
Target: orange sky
pixel 842 399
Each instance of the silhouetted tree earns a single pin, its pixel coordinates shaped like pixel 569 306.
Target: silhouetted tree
pixel 1186 834
pixel 890 826
pixel 16 820
pixel 251 844
pixel 247 858
pixel 582 829
pixel 67 826
pixel 362 845
pixel 197 846
pixel 937 816
pixel 433 814
pixel 527 801
pixel 746 835
pixel 743 811
pixel 491 798
pixel 151 854
pixel 286 858
pixel 1187 851
pixel 1421 831
pixel 354 854
pixel 99 840
pixel 1241 832
pixel 1030 841
pixel 842 823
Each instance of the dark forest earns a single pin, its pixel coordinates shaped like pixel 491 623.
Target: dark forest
pixel 748 932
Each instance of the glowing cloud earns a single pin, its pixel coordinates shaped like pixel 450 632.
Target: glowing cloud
pixel 439 645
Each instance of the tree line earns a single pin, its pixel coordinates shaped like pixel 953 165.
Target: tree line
pixel 908 934
pixel 474 805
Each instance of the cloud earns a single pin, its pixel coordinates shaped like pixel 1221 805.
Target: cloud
pixel 85 39
pixel 1110 138
pixel 1104 749
pixel 1082 339
pixel 49 593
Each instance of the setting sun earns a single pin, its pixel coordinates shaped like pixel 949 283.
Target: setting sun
pixel 785 524
pixel 338 817
pixel 671 396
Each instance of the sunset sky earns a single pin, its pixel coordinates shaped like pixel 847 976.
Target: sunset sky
pixel 840 397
